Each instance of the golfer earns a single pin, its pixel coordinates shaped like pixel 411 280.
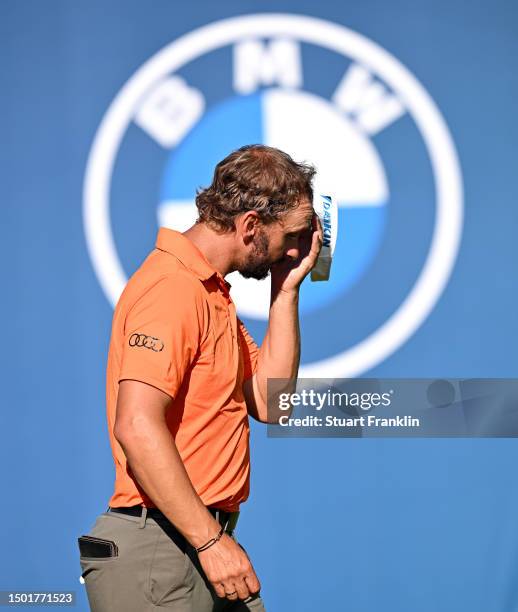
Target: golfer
pixel 183 376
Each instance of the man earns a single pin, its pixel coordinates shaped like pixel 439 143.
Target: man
pixel 183 376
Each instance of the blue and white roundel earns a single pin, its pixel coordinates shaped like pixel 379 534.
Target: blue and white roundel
pixel 325 95
pixel 274 117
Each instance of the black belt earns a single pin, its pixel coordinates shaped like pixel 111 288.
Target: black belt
pixel 225 519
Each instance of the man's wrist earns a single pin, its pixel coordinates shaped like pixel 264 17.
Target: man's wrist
pixel 290 295
pixel 201 536
pixel 212 541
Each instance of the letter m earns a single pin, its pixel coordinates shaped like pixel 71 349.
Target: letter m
pixel 257 63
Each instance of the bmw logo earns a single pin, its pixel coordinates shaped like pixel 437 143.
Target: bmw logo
pixel 326 95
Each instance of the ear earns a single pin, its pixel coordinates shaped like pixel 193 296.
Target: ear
pixel 247 225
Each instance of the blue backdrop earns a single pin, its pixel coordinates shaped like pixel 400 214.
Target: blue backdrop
pixel 365 525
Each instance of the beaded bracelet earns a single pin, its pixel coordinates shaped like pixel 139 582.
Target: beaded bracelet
pixel 211 541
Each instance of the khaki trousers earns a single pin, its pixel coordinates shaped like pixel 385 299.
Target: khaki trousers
pixel 156 569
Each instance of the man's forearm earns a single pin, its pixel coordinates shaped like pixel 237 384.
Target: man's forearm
pixel 157 466
pixel 279 355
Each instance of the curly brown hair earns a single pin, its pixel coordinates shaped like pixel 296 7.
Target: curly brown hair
pixel 254 177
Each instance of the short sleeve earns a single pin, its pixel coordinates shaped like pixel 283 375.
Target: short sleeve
pixel 249 351
pixel 162 334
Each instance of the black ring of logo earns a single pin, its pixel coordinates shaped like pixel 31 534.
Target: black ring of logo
pixel 149 342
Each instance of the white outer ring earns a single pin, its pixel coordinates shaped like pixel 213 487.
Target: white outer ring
pixel 447 231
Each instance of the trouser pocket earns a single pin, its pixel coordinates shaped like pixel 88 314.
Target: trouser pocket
pixel 102 583
pixel 120 583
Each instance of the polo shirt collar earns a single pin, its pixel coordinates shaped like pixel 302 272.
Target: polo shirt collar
pixel 184 250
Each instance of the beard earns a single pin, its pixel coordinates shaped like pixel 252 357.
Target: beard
pixel 258 265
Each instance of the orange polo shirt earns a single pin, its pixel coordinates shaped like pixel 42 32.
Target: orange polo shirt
pixel 175 327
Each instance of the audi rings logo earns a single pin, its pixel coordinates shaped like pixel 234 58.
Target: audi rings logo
pixel 149 342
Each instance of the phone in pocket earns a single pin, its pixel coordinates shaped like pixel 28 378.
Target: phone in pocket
pixel 90 546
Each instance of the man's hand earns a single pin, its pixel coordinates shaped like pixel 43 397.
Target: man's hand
pixel 229 570
pixel 288 274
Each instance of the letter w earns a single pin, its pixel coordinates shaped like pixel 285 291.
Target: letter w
pixel 358 94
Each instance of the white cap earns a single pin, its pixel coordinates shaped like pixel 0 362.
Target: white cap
pixel 327 210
